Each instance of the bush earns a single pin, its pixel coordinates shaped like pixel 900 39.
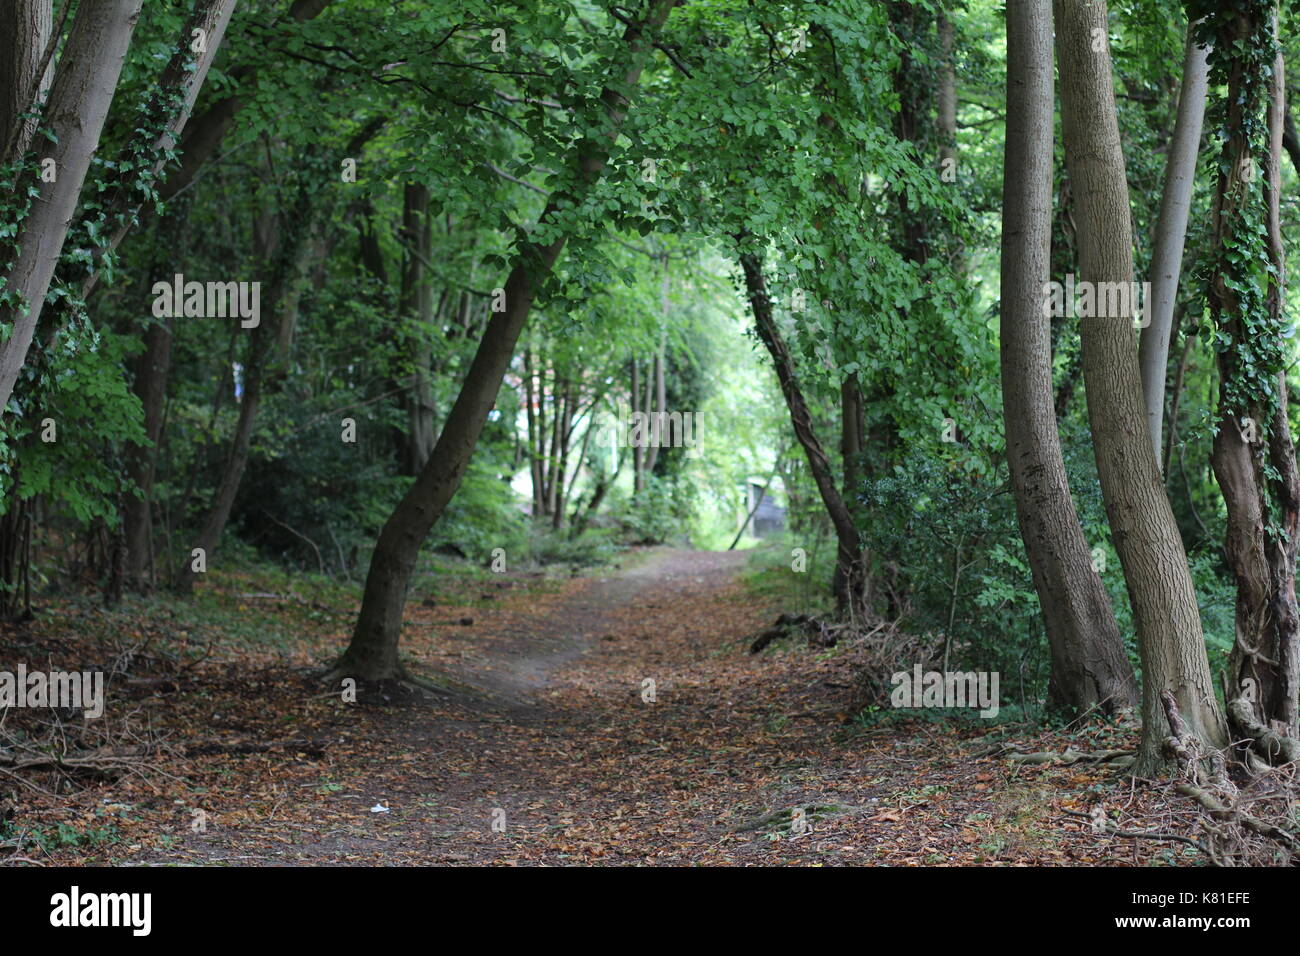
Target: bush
pixel 659 513
pixel 950 535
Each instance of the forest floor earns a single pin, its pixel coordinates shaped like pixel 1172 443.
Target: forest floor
pixel 546 747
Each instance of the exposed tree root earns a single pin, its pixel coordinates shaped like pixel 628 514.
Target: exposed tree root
pixel 1116 758
pixel 1266 833
pixel 1274 747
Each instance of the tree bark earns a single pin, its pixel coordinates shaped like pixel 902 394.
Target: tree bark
pixel 372 653
pixel 1165 611
pixel 849 582
pixel 78 104
pixel 1089 666
pixel 416 441
pixel 1263 509
pixel 28 25
pixel 1171 232
pixel 185 72
pixel 150 386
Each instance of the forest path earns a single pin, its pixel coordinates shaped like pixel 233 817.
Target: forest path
pixel 551 749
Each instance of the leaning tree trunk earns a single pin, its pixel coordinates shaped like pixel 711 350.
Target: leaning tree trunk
pixel 282 296
pixel 850 580
pixel 1171 233
pixel 205 133
pixel 74 114
pixel 177 90
pixel 372 653
pixel 1253 458
pixel 1089 666
pixel 1150 549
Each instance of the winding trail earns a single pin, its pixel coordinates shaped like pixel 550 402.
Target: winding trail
pixel 619 719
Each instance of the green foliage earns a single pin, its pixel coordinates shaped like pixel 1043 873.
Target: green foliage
pixel 66 444
pixel 659 512
pixel 951 535
pixel 483 516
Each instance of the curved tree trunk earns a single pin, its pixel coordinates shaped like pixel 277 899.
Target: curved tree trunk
pixel 372 653
pixel 78 104
pixel 1089 666
pixel 1171 233
pixel 850 570
pixel 1150 549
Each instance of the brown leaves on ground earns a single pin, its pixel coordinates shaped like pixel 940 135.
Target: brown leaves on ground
pixel 616 719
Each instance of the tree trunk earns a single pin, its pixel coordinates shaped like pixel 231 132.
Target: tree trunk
pixel 1257 475
pixel 79 100
pixel 638 451
pixel 372 653
pixel 849 582
pixel 150 386
pixel 27 24
pixel 290 257
pixel 185 74
pixel 947 120
pixel 417 308
pixel 1171 232
pixel 1089 666
pixel 853 443
pixel 1159 584
pixel 532 399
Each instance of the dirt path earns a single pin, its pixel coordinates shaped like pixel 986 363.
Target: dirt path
pixel 618 720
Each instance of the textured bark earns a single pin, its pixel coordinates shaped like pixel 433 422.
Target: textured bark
pixel 416 440
pixel 947 118
pixel 1265 661
pixel 79 100
pixel 372 653
pixel 1171 232
pixel 26 26
pixel 1089 666
pixel 850 572
pixel 150 386
pixel 1155 566
pixel 185 74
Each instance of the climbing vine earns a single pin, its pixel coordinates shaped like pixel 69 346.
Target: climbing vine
pixel 1243 288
